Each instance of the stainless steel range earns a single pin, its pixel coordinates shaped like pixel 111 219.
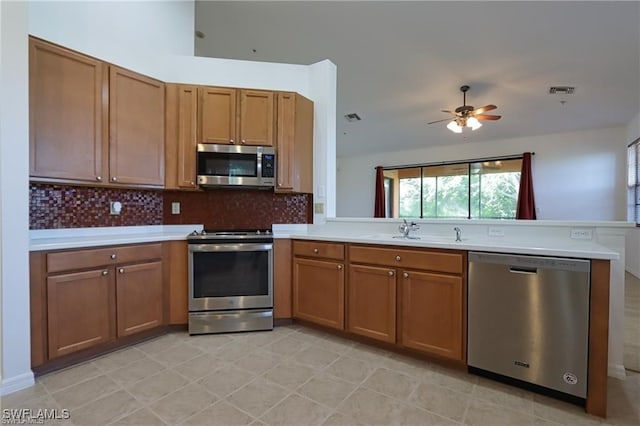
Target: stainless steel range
pixel 230 281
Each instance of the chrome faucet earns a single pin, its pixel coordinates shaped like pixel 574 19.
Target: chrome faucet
pixel 458 234
pixel 405 228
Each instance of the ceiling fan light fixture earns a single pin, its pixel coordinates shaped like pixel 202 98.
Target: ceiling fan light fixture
pixel 454 126
pixel 473 123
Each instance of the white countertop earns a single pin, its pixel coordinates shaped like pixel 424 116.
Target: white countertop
pixel 67 238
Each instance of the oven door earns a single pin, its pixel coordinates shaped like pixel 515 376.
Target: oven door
pixel 230 276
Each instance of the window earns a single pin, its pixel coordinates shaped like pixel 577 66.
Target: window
pixel 633 182
pixel 476 190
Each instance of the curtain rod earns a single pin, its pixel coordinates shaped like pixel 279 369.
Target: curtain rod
pixel 446 163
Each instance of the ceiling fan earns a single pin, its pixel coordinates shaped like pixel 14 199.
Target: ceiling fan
pixel 466 115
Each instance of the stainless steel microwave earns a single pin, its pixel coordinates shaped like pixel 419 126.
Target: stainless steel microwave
pixel 236 166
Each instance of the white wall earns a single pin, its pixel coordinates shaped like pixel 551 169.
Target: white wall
pixel 577 175
pixel 633 236
pixel 14 203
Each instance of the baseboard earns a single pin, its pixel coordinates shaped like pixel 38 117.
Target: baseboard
pixel 617 371
pixel 635 273
pixel 17 383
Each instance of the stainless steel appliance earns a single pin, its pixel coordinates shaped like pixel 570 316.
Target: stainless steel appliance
pixel 236 165
pixel 230 281
pixel 528 319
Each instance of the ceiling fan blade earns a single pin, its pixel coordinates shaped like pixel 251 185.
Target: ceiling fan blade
pixel 487 117
pixel 484 109
pixel 448 111
pixel 439 121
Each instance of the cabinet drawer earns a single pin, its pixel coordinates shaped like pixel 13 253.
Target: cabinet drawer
pixel 318 249
pixel 441 261
pixel 89 258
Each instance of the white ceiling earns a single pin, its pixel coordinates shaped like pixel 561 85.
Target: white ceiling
pixel 400 63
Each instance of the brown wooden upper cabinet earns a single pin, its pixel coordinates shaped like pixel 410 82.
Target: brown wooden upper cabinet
pixel 294 143
pixel 236 116
pixel 91 122
pixel 181 122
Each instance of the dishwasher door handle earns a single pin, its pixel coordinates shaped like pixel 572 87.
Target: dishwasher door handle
pixel 523 270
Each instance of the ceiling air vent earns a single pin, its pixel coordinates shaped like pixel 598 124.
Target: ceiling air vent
pixel 561 90
pixel 352 117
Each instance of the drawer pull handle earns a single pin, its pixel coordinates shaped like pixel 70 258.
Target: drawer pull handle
pixel 315 250
pixel 121 270
pixel 231 141
pixel 405 275
pixel 339 267
pixel 390 273
pixel 398 258
pixel 105 273
pixel 113 256
pixel 114 179
pixel 99 178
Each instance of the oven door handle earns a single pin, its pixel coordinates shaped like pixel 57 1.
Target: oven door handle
pixel 230 247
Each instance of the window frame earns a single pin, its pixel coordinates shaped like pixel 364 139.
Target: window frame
pixel 633 181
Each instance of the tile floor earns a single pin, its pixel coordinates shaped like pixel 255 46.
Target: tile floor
pixel 632 322
pixel 294 376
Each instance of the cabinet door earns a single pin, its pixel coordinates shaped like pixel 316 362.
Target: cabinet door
pixel 282 278
pixel 318 292
pixel 136 129
pixel 181 136
pixel 256 117
pixel 217 123
pixel 178 282
pixel 139 297
pixel 294 143
pixel 80 311
pixel 65 115
pixel 371 308
pixel 432 313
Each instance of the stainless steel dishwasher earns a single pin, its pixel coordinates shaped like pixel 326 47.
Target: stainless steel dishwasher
pixel 528 320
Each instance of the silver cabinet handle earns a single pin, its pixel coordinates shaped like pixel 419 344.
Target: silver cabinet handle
pixel 315 250
pixel 390 273
pixel 192 183
pixel 398 258
pixel 405 275
pixel 121 270
pixel 105 273
pixel 339 267
pixel 243 142
pixel 114 179
pixel 99 178
pixel 231 141
pixel 113 256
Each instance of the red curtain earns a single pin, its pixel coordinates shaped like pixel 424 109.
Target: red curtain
pixel 526 202
pixel 379 207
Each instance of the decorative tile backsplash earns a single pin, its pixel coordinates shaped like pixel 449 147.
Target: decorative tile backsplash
pixel 221 209
pixel 61 206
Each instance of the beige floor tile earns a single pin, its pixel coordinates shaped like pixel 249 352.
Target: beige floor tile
pixel 257 338
pixel 210 342
pixel 315 357
pixel 391 383
pixel 257 397
pixel 460 381
pixel 84 392
pixel 13 400
pixel 44 401
pixel 157 386
pixel 158 344
pixel 404 364
pixel 258 362
pixel 483 413
pixel 296 411
pixel 199 367
pixel 369 354
pixel 220 414
pixel 414 416
pixel 106 409
pixel 340 419
pixel 232 352
pixel 287 346
pixel 504 395
pixel 351 369
pixel 369 407
pixel 136 371
pixel 69 376
pixel 289 374
pixel 562 412
pixel 226 380
pixel 141 417
pixel 327 389
pixel 176 354
pixel 439 400
pixel 119 359
pixel 183 403
pixel 336 344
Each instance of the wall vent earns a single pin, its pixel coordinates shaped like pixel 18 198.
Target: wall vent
pixel 352 117
pixel 561 90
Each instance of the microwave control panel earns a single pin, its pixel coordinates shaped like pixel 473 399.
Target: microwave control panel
pixel 268 165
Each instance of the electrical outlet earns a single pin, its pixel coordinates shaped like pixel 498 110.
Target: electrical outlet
pixel 318 208
pixel 495 231
pixel 115 207
pixel 581 234
pixel 175 207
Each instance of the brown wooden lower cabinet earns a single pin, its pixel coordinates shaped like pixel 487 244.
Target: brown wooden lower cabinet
pixel 318 291
pixel 282 303
pixel 371 309
pixel 139 297
pixel 432 313
pixel 81 311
